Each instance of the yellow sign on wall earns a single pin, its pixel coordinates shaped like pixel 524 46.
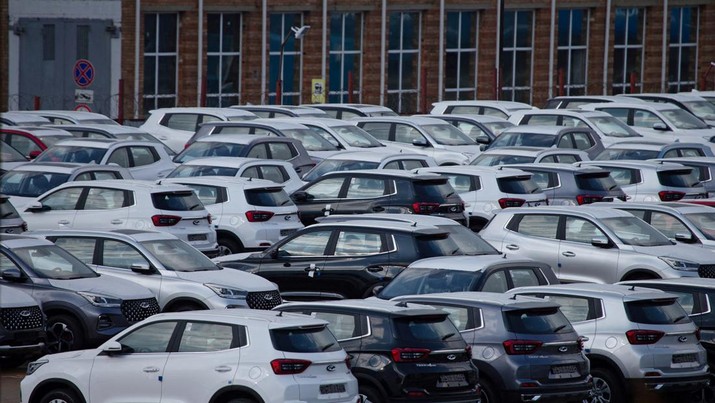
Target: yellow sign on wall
pixel 318 91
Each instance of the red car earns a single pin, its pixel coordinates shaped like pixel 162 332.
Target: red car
pixel 31 141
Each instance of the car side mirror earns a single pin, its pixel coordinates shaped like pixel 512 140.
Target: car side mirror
pixel 660 127
pixel 13 275
pixel 684 237
pixel 376 290
pixel 483 140
pixel 34 154
pixel 601 242
pixel 37 207
pixel 483 147
pixel 420 143
pixel 141 268
pixel 301 196
pixel 112 347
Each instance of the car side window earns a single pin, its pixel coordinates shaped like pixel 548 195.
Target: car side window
pixel 691 152
pixel 576 309
pixel 6 264
pixel 461 183
pixel 547 159
pixel 668 224
pixel 325 134
pixel 392 165
pixel 582 141
pixel 120 157
pixel 542 120
pixel 274 173
pixel 462 317
pixel 104 199
pixel 624 176
pixel 181 121
pixel 142 156
pixel 413 164
pixel 307 244
pixel 379 130
pixel 121 255
pixel 82 248
pixel 543 226
pixel 23 144
pixel 258 151
pixel 343 325
pixel 619 113
pixel 328 188
pixel 202 337
pixel 152 338
pixel 523 277
pixel 362 188
pixel 407 134
pixel 282 151
pixel 496 282
pixel 349 115
pixel 580 230
pixel 645 119
pixel 352 243
pixel 566 158
pixel 565 141
pixel 464 110
pixel 64 199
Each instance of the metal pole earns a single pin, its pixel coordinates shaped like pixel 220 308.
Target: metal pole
pixel 279 82
pixel 665 47
pixel 382 51
pixel 264 17
pixel 200 66
pixel 606 40
pixel 551 49
pixel 440 69
pixel 500 33
pixel 137 33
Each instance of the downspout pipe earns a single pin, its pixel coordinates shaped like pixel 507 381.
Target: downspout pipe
pixel 325 40
pixel 665 47
pixel 551 49
pixel 606 40
pixel 383 38
pixel 264 15
pixel 137 33
pixel 440 69
pixel 200 65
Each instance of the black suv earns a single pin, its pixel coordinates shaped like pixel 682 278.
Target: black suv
pixel 375 191
pixel 399 351
pixel 22 327
pixel 348 258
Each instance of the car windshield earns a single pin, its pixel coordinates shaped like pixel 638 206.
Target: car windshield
pixel 656 312
pixel 52 139
pixel 177 201
pixel 447 134
pixel 30 183
pixel 595 181
pixel 705 222
pixel 512 139
pixel 210 149
pixel 518 185
pixel 502 159
pixel 626 154
pixel 634 231
pixel 702 109
pixel 537 321
pixel 186 171
pixel 498 127
pixel 77 154
pixel 10 154
pixel 176 255
pixel 136 136
pixel 7 210
pixel 311 140
pixel 418 280
pixel 97 122
pixel 330 165
pixel 51 261
pixel 356 137
pixel 613 127
pixel 683 119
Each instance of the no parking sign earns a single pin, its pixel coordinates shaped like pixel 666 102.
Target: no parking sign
pixel 83 72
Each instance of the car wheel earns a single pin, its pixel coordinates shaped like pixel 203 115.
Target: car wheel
pixel 241 400
pixel 60 396
pixel 228 246
pixel 371 394
pixel 641 276
pixel 186 306
pixel 606 388
pixel 64 334
pixel 488 392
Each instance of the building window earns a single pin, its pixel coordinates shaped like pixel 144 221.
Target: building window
pixel 403 61
pixel 281 24
pixel 683 49
pixel 628 49
pixel 345 57
pixel 161 35
pixel 223 60
pixel 517 56
pixel 461 51
pixel 573 51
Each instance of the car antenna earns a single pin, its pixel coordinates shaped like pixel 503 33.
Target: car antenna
pixel 633 288
pixel 513 297
pixel 402 304
pixel 280 314
pixel 504 256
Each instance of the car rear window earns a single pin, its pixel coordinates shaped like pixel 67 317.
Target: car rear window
pixel 678 178
pixel 437 245
pixel 435 191
pixel 468 242
pixel 268 197
pixel 595 181
pixel 656 312
pixel 517 185
pixel 537 321
pixel 176 201
pixel 425 328
pixel 314 339
pixel 7 210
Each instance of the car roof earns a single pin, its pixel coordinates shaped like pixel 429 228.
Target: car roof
pixel 552 166
pixel 694 160
pixel 644 105
pixel 278 124
pixel 393 173
pixel 317 121
pixel 372 156
pixel 649 145
pixel 19 241
pixel 40 131
pixel 243 183
pixel 527 151
pixel 233 162
pixel 509 105
pixel 239 138
pixel 105 143
pixel 372 305
pixel 78 115
pixel 410 120
pixel 469 263
pixel 680 97
pixel 476 118
pixel 61 167
pixel 298 109
pixel 584 211
pixel 367 108
pixel 272 319
pixel 638 164
pixel 683 208
pixel 564 112
pixel 208 110
pixel 112 129
pixel 126 184
pixel 598 291
pixel 126 234
pixel 411 219
pixel 424 228
pixel 493 299
pixel 686 281
pixel 24 117
pixel 498 171
pixel 542 129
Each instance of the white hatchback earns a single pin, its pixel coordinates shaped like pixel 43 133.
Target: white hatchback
pixel 202 356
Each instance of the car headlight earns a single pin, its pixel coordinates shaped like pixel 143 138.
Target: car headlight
pixel 225 292
pixel 100 300
pixel 35 365
pixel 679 264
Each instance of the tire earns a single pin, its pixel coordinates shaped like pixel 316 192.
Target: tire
pixel 186 306
pixel 241 400
pixel 60 396
pixel 606 387
pixel 641 276
pixel 227 246
pixel 64 333
pixel 489 393
pixel 372 395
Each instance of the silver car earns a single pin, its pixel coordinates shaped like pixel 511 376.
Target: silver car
pixel 591 244
pixel 640 340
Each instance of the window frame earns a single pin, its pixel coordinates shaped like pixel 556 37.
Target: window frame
pixel 623 87
pixel 512 50
pixel 459 51
pixel 680 85
pixel 343 94
pixel 401 91
pixel 220 54
pixel 570 49
pixel 155 96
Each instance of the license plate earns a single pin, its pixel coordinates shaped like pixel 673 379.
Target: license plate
pixel 197 237
pixel 451 381
pixel 681 358
pixel 564 371
pixel 285 232
pixel 333 388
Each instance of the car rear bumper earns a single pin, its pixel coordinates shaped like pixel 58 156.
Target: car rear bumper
pixel 571 391
pixel 673 384
pixel 28 349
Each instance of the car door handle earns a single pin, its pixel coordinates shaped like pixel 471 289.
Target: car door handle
pixel 328 210
pixel 151 369
pixel 512 247
pixel 63 222
pixel 378 208
pixel 375 269
pixel 116 221
pixel 312 268
pixel 222 368
pixel 568 254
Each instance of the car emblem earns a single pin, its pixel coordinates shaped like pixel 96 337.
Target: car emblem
pixel 25 313
pixel 268 297
pixel 563 349
pixel 453 209
pixel 144 305
pixel 330 368
pixel 683 339
pixel 451 357
pixel 197 222
pixel 287 218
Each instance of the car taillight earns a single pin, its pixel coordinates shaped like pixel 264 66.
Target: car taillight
pixel 161 220
pixel 697 334
pixel 409 354
pixel 582 342
pixel 520 347
pixel 209 218
pixel 347 361
pixel 468 350
pixel 510 202
pixel 587 199
pixel 186 145
pixel 644 336
pixel 666 195
pixel 424 208
pixel 285 366
pixel 24 226
pixel 258 216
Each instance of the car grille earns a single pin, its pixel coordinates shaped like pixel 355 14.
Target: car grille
pixel 707 270
pixel 135 310
pixel 29 317
pixel 263 299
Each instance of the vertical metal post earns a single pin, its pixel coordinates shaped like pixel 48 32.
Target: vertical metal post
pixel 120 102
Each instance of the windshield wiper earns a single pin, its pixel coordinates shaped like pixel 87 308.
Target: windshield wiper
pixel 558 329
pixel 9 213
pixel 447 336
pixel 327 346
pixel 679 318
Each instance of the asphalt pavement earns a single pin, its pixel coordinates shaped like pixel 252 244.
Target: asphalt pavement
pixel 10 385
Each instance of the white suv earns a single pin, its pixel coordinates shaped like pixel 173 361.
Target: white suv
pixel 234 356
pixel 124 204
pixel 248 214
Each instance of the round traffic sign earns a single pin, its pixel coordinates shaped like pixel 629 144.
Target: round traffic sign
pixel 83 72
pixel 83 108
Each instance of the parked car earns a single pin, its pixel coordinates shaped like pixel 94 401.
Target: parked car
pixel 704 168
pixel 348 256
pixel 481 128
pixel 653 181
pixel 60 117
pixel 28 181
pixel 646 150
pixel 83 308
pixel 235 356
pixel 144 159
pixel 125 204
pixel 378 159
pixel 528 155
pixel 579 138
pixel 399 352
pixel 346 111
pixel 485 190
pixel 502 109
pixel 488 273
pixel 109 132
pixel 574 101
pixel 10 158
pixel 690 102
pixel 10 220
pixel 282 111
pixel 707 95
pixel 640 341
pixel 248 214
pixel 18 118
pixel 251 146
pixel 31 141
pixel 525 349
pixel 280 172
pixel 378 190
pixel 180 277
pixel 591 244
pixel 22 327
pixel 570 185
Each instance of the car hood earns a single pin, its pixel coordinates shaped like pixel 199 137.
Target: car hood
pixel 230 278
pixel 685 252
pixel 105 285
pixel 471 149
pixel 234 257
pixel 12 298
